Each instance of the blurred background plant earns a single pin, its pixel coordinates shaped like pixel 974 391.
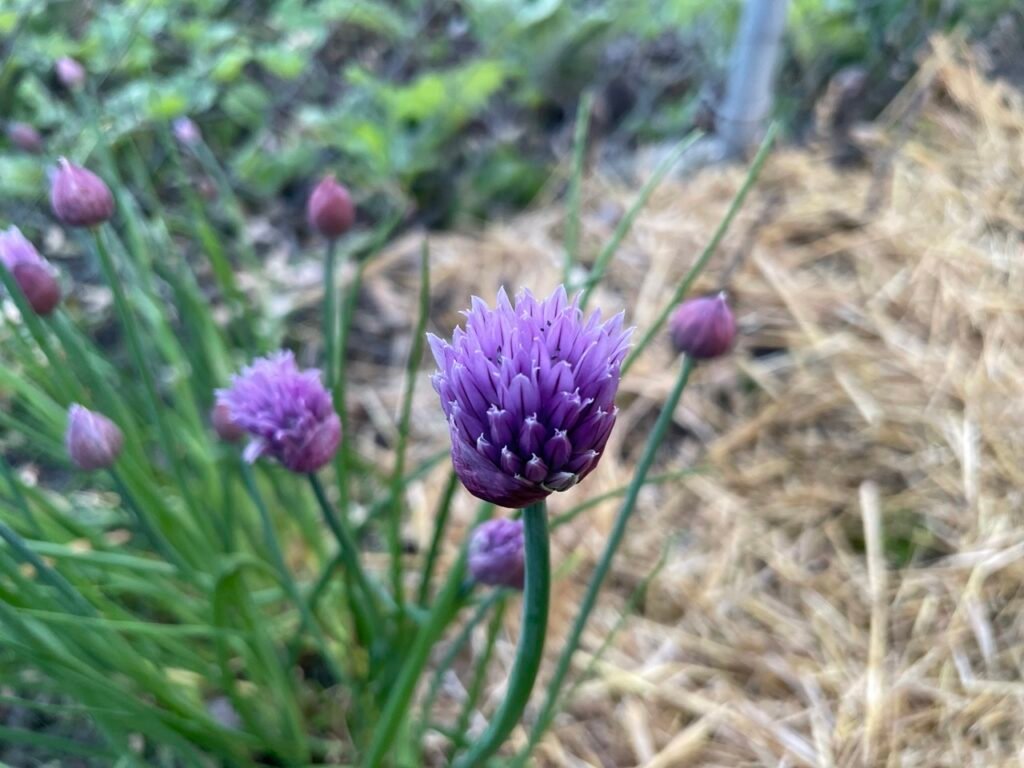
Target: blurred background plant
pixel 460 107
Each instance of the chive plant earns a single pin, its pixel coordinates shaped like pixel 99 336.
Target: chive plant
pixel 168 579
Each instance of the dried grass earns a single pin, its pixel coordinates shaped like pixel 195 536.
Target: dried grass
pixel 844 581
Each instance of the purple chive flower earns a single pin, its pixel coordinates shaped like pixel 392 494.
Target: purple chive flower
pixel 225 427
pixel 703 328
pixel 496 553
pixel 79 197
pixel 529 393
pixel 30 271
pixel 287 412
pixel 330 210
pixel 92 440
pixel 186 131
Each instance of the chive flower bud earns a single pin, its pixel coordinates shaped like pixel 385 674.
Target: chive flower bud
pixel 529 393
pixel 186 131
pixel 703 328
pixel 286 412
pixel 30 271
pixel 25 137
pixel 93 441
pixel 330 209
pixel 226 428
pixel 496 554
pixel 70 73
pixel 79 197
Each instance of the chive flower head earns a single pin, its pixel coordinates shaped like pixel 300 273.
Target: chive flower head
pixel 529 392
pixel 496 553
pixel 30 271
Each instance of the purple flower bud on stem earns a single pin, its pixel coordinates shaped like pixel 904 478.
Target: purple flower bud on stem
pixel 330 209
pixel 529 392
pixel 186 131
pixel 30 271
pixel 496 554
pixel 287 412
pixel 93 441
pixel 79 197
pixel 227 430
pixel 703 328
pixel 25 137
pixel 70 73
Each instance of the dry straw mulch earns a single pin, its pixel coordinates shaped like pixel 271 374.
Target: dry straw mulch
pixel 844 581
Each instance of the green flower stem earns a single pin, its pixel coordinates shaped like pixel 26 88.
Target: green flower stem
pixel 604 258
pixel 579 154
pixel 446 606
pixel 364 606
pixel 74 599
pixel 330 316
pixel 444 509
pixel 397 488
pixel 307 619
pixel 476 685
pixel 723 226
pixel 530 650
pixel 547 712
pixel 145 371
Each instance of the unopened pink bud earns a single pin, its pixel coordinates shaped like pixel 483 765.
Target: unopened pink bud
pixel 330 209
pixel 25 137
pixel 79 197
pixel 70 73
pixel 703 328
pixel 225 426
pixel 30 271
pixel 93 441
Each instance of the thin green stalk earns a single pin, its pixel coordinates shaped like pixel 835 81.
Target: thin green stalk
pixel 709 249
pixel 330 318
pixel 476 685
pixel 579 154
pixel 456 646
pixel 19 498
pixel 444 510
pixel 270 540
pixel 618 531
pixel 530 650
pixel 145 371
pixel 72 596
pixel 394 529
pixel 626 222
pixel 445 607
pixel 149 530
pixel 569 515
pixel 363 602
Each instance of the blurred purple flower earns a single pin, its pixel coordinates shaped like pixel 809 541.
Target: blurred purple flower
pixel 30 271
pixel 330 210
pixel 496 553
pixel 225 427
pixel 79 197
pixel 92 440
pixel 703 328
pixel 287 412
pixel 70 73
pixel 186 131
pixel 529 393
pixel 25 137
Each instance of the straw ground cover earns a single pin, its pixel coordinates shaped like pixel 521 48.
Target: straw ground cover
pixel 838 579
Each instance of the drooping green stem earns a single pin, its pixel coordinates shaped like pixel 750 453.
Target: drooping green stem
pixel 702 261
pixel 270 540
pixel 446 605
pixel 618 531
pixel 330 318
pixel 530 650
